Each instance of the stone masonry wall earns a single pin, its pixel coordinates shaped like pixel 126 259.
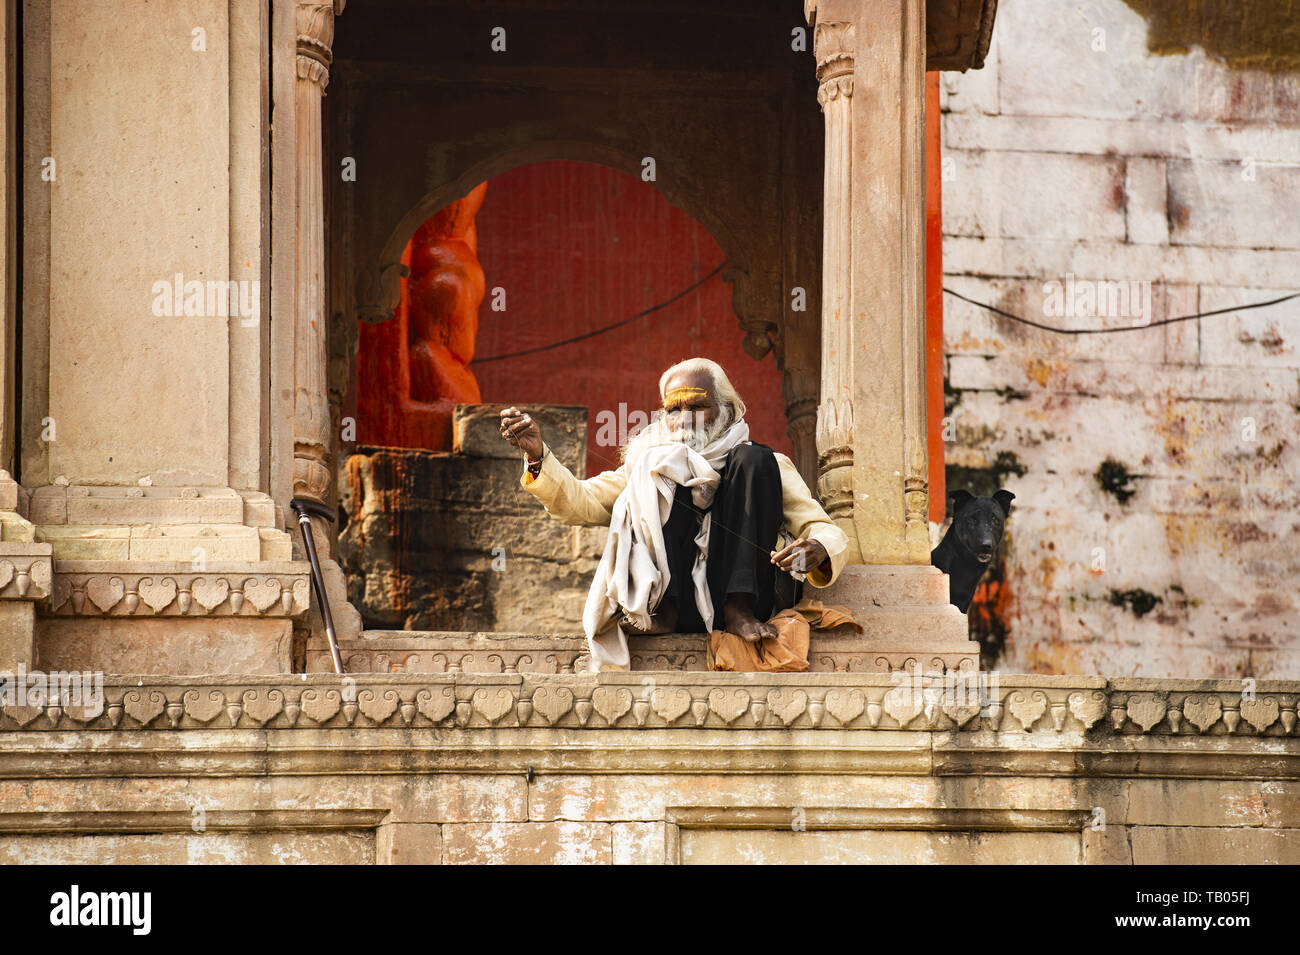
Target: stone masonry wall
pixel 1154 528
pixel 436 541
pixel 679 768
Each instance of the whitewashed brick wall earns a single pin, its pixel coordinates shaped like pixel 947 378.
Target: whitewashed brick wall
pixel 1076 152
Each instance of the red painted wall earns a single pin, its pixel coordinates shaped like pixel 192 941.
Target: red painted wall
pixel 577 246
pixel 934 299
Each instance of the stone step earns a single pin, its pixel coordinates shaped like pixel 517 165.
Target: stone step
pixel 888 646
pixel 919 586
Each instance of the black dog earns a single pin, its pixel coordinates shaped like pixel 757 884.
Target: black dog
pixel 965 551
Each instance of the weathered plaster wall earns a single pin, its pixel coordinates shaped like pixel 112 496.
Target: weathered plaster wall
pixel 1089 146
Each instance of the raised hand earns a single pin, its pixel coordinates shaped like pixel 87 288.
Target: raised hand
pixel 522 431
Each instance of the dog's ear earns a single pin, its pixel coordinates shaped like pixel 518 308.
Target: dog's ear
pixel 960 499
pixel 1004 499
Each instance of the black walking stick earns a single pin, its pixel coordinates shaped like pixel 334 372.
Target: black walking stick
pixel 305 510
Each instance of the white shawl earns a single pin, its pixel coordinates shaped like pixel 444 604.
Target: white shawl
pixel 633 573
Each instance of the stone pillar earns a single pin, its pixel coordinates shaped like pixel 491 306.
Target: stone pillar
pixel 871 425
pixel 834 43
pixel 799 344
pixel 26 575
pixel 311 420
pixel 142 529
pixel 311 412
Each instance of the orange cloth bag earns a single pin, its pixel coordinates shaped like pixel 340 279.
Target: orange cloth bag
pixel 787 652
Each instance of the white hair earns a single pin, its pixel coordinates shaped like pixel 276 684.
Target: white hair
pixel 730 406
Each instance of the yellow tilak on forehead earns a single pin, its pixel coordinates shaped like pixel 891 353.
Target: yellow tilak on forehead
pixel 684 393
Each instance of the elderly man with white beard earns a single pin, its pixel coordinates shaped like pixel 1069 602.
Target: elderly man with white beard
pixel 696 513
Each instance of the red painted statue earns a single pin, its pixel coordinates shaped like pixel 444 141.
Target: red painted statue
pixel 414 370
pixel 444 289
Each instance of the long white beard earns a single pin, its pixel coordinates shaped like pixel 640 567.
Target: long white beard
pixel 657 432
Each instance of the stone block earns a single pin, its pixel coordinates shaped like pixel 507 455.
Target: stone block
pixel 209 848
pixel 274 544
pixel 407 843
pixel 904 612
pixel 1182 339
pixel 116 505
pixel 858 847
pixel 1254 340
pixel 259 509
pixel 177 645
pixel 527 843
pixel 17 634
pixel 207 542
pixel 639 843
pixel 1231 204
pixel 1178 845
pixel 1034 195
pixel 1152 137
pixel 49 505
pixel 1107 845
pixel 9 492
pixel 74 542
pixel 476 432
pixel 1213 803
pixel 452 541
pixel 895 587
pixel 1043 258
pixel 1145 215
pixel 1098 63
pixel 14 528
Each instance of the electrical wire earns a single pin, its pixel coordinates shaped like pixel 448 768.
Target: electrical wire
pixel 1125 328
pixel 600 331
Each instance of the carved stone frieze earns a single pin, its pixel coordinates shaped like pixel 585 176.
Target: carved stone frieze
pixel 1020 705
pixel 163 591
pixel 26 576
pixel 436 652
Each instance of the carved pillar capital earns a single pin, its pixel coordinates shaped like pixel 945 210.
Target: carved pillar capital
pixel 834 44
pixel 315 23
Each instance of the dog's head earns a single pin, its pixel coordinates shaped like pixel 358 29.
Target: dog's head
pixel 978 521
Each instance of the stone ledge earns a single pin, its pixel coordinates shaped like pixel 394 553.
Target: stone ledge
pixel 434 651
pixel 986 709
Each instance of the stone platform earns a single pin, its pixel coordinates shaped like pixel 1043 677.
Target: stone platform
pixel 413 651
pixel 674 767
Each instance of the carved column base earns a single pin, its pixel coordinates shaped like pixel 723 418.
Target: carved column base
pixel 835 490
pixel 906 616
pixel 26 571
pixel 346 618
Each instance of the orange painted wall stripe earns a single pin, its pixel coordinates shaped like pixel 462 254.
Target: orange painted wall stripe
pixel 934 297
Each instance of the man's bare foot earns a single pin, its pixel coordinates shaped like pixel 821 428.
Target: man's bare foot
pixel 738 615
pixel 664 620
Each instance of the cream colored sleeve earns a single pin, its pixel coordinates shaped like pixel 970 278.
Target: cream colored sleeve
pixel 570 500
pixel 805 518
